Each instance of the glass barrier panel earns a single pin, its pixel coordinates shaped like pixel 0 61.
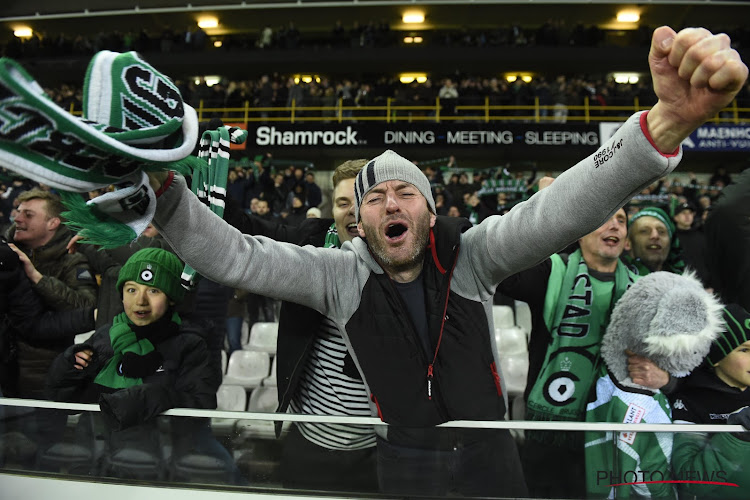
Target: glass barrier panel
pixel 220 452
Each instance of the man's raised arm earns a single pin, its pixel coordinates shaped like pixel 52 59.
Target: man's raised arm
pixel 695 74
pixel 260 265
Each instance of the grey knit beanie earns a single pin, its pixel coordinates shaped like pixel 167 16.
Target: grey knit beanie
pixel 389 167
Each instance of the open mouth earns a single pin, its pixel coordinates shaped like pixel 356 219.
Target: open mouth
pixel 352 229
pixel 395 231
pixel 612 240
pixel 653 247
pixel 142 314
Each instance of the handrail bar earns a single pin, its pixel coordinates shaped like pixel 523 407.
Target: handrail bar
pixel 464 424
pixel 391 112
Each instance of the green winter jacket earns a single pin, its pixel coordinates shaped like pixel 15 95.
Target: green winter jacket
pixel 68 281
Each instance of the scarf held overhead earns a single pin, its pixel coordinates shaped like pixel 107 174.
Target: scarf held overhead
pixel 134 120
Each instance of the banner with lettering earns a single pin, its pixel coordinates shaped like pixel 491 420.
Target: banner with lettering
pixel 519 136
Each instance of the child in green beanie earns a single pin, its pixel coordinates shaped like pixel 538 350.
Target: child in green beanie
pixel 144 362
pixel 716 393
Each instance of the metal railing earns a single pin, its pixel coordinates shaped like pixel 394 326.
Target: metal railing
pixel 391 112
pixel 340 419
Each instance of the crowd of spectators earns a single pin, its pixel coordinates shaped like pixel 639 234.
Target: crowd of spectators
pixel 559 96
pixel 370 34
pixel 287 193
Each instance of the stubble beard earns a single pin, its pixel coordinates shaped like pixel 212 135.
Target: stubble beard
pixel 391 265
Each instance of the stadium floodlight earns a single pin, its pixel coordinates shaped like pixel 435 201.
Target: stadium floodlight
pixel 628 16
pixel 410 77
pixel 208 23
pixel 23 32
pixel 413 17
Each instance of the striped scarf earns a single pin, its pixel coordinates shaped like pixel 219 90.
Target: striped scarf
pixel 134 120
pixel 210 177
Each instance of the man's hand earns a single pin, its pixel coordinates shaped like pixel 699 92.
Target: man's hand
pixel 72 246
pixel 545 181
pixel 644 372
pixel 156 179
pixel 34 275
pixel 695 74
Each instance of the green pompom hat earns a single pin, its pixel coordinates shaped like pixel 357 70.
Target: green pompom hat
pixel 154 267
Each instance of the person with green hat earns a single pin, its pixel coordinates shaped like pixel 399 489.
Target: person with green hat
pixel 143 363
pixel 716 393
pixel 652 244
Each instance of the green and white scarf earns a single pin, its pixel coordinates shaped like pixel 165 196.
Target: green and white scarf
pixel 123 339
pixel 209 181
pixel 576 318
pixel 134 120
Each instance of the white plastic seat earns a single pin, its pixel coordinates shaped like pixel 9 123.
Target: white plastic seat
pixel 523 316
pixel 224 361
pixel 270 381
pixel 503 316
pixel 231 398
pixel 511 341
pixel 228 398
pixel 262 400
pixel 513 370
pixel 247 369
pixel 263 337
pixel 83 337
pixel 244 333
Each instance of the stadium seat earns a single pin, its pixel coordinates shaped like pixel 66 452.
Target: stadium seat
pixel 523 316
pixel 263 337
pixel 83 337
pixel 514 370
pixel 201 468
pixel 270 381
pixel 245 332
pixel 502 316
pixel 247 369
pixel 262 400
pixel 511 341
pixel 228 398
pixel 518 412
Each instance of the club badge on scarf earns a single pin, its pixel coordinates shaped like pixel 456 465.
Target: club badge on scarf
pixel 134 120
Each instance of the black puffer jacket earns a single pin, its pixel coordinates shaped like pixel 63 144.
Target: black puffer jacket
pixel 24 320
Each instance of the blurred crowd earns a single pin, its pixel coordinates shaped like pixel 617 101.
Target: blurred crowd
pixel 370 34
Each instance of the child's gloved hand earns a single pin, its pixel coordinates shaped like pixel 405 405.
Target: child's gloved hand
pixel 741 417
pixel 136 366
